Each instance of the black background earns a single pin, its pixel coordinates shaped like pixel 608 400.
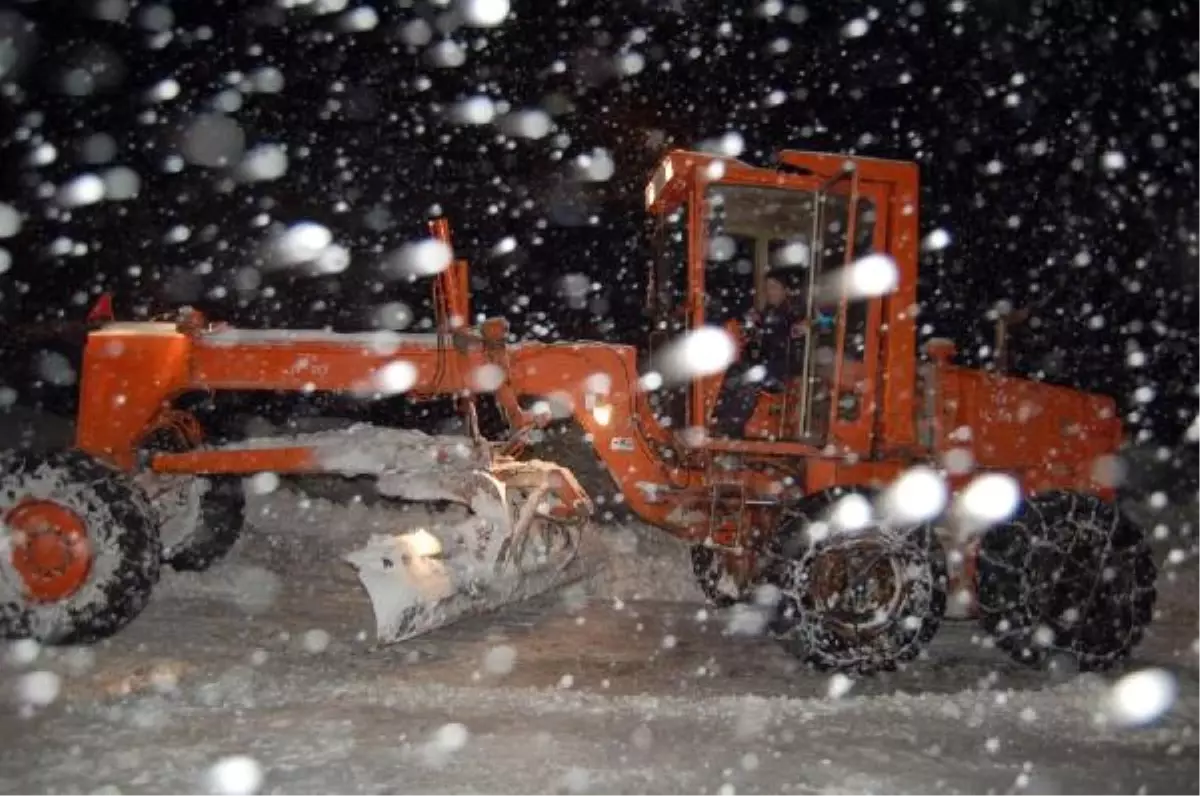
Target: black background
pixel 1043 89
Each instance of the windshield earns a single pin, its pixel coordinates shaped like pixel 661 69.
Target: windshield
pixel 754 230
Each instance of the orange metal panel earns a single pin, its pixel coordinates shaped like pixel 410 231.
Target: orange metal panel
pixel 901 181
pixel 1045 436
pixel 761 447
pixel 861 377
pixel 230 461
pixel 299 364
pixel 859 435
pixel 900 317
pixel 697 252
pixel 839 348
pixel 827 165
pixel 453 282
pixel 129 374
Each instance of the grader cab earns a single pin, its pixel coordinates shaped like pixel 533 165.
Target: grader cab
pixel 829 517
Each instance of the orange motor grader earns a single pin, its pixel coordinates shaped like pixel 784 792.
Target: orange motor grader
pixel 831 516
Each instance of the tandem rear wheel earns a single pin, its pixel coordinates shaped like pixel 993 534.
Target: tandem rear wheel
pixel 1068 574
pixel 855 599
pixel 856 593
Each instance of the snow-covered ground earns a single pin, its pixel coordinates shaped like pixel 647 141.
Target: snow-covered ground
pixel 597 688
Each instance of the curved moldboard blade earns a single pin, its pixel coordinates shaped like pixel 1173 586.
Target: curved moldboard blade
pixel 412 594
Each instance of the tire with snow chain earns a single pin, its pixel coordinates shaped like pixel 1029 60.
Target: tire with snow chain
pixel 830 577
pixel 1067 574
pixel 222 513
pixel 81 548
pixel 709 571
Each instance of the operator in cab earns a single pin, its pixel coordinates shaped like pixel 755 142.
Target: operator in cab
pixel 771 340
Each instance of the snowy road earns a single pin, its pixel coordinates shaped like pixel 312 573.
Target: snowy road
pixel 268 656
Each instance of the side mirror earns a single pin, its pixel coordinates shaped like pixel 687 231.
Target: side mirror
pixel 1004 322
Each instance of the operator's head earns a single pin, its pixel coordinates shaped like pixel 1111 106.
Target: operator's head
pixel 776 287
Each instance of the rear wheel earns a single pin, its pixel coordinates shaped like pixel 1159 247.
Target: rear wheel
pixel 1068 574
pixel 859 599
pixel 81 548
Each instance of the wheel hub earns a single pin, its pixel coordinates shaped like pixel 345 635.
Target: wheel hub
pixel 857 587
pixel 50 549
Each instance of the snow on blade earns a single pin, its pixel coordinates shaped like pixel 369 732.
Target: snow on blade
pixel 504 552
pixel 363 449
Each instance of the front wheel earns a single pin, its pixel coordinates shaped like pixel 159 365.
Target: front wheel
pixel 856 600
pixel 80 548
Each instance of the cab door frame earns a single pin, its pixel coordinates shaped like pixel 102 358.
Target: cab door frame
pixel 845 436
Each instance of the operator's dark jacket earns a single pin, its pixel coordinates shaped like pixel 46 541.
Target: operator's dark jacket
pixel 770 341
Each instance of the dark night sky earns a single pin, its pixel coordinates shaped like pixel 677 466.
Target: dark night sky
pixel 1057 140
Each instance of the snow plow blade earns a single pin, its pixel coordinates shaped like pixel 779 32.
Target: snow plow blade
pixel 518 541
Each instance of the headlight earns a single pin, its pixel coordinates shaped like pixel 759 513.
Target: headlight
pixel 602 413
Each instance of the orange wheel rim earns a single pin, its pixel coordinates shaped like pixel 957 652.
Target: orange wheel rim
pixel 50 549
